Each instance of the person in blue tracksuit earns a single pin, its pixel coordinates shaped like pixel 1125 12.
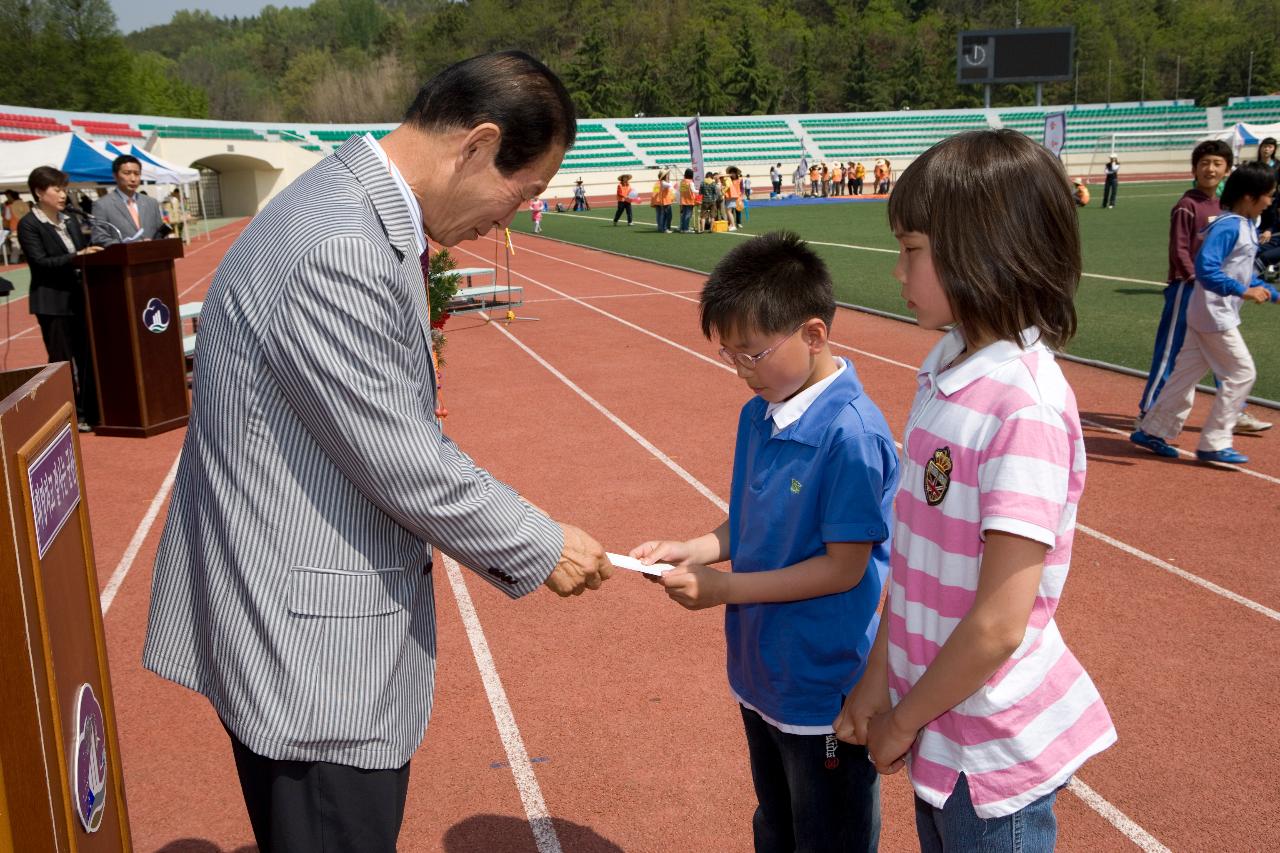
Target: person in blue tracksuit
pixel 1225 280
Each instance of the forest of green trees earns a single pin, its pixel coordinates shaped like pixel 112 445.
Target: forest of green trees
pixel 360 60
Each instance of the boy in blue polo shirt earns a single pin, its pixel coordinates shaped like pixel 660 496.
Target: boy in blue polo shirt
pixel 814 475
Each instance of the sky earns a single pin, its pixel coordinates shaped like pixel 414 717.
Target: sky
pixel 137 14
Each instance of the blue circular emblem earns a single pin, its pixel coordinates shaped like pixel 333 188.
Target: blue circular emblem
pixel 155 316
pixel 89 760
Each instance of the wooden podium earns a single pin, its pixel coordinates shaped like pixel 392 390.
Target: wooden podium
pixel 61 785
pixel 135 334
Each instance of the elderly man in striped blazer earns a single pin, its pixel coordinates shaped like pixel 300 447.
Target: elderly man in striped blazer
pixel 293 584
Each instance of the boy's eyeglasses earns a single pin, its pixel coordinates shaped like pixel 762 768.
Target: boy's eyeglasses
pixel 749 362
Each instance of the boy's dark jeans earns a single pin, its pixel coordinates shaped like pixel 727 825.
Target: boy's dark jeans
pixel 816 794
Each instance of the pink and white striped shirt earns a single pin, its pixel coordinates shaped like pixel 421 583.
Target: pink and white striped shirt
pixel 991 444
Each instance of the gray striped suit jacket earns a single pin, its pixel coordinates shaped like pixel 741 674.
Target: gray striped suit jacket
pixel 292 586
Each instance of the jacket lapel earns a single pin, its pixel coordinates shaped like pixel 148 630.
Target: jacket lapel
pixel 397 222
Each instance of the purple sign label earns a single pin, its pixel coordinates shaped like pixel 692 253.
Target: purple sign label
pixel 89 761
pixel 55 488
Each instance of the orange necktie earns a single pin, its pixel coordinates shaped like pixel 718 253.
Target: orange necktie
pixel 133 211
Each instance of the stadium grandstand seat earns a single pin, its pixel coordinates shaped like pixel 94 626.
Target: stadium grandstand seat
pixel 188 132
pixel 107 128
pixel 1255 111
pixel 17 137
pixel 33 125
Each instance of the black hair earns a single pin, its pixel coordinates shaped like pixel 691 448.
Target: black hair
pixel 43 177
pixel 1003 233
pixel 769 284
pixel 1270 140
pixel 123 160
pixel 1251 179
pixel 688 173
pixel 511 89
pixel 1212 148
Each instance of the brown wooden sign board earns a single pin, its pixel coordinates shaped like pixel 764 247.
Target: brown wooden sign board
pixel 52 633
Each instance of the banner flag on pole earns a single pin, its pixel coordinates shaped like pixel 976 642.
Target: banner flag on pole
pixel 694 127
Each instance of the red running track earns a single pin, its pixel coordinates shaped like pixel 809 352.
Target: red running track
pixel 612 412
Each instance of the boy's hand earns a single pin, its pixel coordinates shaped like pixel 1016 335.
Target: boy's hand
pixel 866 701
pixel 696 587
pixel 887 744
pixel 662 551
pixel 1257 294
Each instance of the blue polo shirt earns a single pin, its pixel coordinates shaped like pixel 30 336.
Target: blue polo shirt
pixel 829 477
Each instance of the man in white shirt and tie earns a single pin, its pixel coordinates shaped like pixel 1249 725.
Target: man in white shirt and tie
pixel 124 211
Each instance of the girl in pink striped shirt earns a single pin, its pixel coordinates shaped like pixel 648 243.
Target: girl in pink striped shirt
pixel 969 684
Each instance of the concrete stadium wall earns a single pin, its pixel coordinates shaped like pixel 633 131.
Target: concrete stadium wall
pixel 250 173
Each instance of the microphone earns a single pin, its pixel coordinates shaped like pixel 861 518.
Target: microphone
pixel 95 220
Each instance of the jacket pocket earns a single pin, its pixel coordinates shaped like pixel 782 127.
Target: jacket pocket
pixel 336 593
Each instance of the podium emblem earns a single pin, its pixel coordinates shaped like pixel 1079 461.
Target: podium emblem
pixel 155 316
pixel 89 761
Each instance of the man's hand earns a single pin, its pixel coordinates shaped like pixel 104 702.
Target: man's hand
pixel 582 564
pixel 696 587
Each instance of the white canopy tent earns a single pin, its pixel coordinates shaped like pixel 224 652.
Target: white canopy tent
pixel 83 163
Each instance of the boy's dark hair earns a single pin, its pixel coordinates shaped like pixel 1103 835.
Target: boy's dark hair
pixel 769 284
pixel 43 177
pixel 1003 232
pixel 1212 148
pixel 1251 179
pixel 123 160
pixel 511 89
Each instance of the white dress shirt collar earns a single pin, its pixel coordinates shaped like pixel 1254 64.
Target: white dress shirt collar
pixel 415 210
pixel 787 412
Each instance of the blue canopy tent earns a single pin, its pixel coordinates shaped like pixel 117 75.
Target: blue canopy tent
pixel 83 163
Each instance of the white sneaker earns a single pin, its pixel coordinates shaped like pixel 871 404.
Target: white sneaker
pixel 1248 423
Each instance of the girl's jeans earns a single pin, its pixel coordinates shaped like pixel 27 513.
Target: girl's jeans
pixel 955 826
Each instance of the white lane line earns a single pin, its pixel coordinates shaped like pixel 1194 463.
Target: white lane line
pixel 609 296
pixel 544 832
pixel 139 536
pixel 1186 454
pixel 856 247
pixel 1185 575
pixel 1088 531
pixel 641 329
pixel 1117 818
pixel 196 283
pixel 28 330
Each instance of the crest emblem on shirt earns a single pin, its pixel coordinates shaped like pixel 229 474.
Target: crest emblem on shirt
pixel 937 476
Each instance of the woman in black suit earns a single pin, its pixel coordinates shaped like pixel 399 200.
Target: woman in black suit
pixel 51 241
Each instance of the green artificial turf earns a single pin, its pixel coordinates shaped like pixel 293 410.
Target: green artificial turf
pixel 1117 318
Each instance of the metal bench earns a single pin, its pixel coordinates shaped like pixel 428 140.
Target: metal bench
pixel 484 297
pixel 190 311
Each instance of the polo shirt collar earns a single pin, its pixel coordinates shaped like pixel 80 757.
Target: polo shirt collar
pixel 844 387
pixel 982 363
pixel 787 412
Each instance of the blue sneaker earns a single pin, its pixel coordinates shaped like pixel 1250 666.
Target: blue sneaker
pixel 1227 454
pixel 1154 443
